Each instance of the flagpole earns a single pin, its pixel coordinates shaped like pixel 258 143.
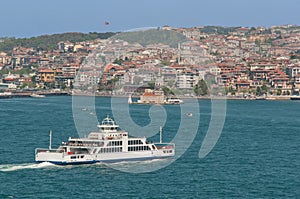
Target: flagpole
pixel 160 134
pixel 50 141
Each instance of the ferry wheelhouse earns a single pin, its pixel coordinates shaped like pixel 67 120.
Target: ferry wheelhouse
pixel 109 144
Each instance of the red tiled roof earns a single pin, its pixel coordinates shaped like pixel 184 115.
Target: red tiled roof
pixel 149 94
pixel 9 79
pixel 111 66
pixel 242 82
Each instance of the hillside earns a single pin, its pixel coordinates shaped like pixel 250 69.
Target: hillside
pixel 49 42
pixel 152 36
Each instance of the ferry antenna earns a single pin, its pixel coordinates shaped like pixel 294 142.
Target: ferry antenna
pixel 160 134
pixel 50 140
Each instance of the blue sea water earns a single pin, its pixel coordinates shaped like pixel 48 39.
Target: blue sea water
pixel 257 155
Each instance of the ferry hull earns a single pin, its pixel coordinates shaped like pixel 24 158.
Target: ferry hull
pixel 104 161
pixel 69 163
pixel 75 159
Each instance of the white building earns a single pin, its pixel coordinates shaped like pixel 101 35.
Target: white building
pixel 186 80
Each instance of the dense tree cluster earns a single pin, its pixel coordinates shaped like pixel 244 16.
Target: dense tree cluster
pixel 49 42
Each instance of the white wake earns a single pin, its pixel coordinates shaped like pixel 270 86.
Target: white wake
pixel 15 167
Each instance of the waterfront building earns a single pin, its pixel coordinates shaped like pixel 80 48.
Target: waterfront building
pixel 48 75
pixel 152 97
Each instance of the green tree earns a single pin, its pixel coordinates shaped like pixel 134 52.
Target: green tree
pixel 118 61
pixel 165 63
pixel 257 42
pixel 167 91
pixel 111 84
pixel 201 88
pixel 151 85
pixel 264 89
pixel 231 90
pixel 49 85
pixel 258 91
pixel 49 42
pixel 279 92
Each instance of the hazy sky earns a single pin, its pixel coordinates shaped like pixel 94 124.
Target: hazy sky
pixel 26 18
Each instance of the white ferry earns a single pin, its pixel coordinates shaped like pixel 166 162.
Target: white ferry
pixel 37 95
pixel 173 101
pixel 108 145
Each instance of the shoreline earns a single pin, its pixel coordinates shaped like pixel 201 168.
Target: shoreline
pixel 28 94
pixel 272 98
pixel 63 93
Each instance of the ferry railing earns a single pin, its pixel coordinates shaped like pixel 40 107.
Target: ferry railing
pixel 43 150
pixel 85 144
pixel 165 145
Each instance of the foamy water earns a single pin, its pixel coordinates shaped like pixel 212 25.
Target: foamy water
pixel 15 167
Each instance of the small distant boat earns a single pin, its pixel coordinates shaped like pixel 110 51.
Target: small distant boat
pixel 173 101
pixel 84 109
pixel 295 97
pixel 129 100
pixel 271 98
pixel 6 95
pixel 37 95
pixel 189 114
pixel 261 98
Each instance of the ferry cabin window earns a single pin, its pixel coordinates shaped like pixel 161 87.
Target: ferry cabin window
pixel 134 142
pixel 94 150
pixel 74 157
pixel 93 143
pixel 115 143
pixel 139 148
pixel 110 150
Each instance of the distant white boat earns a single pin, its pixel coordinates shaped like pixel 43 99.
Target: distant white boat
pixel 270 98
pixel 262 97
pixel 173 101
pixel 129 100
pixel 6 95
pixel 37 95
pixel 295 97
pixel 189 114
